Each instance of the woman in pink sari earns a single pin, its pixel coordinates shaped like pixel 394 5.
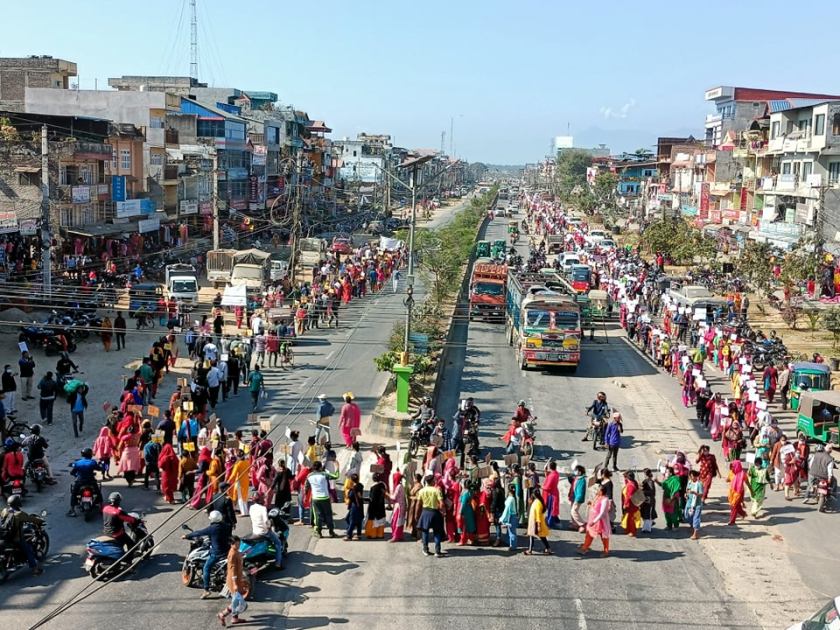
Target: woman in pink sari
pixel 452 498
pixel 598 523
pixel 551 494
pixel 351 418
pixel 398 502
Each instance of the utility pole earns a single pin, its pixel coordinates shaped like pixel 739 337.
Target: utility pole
pixel 46 236
pixel 215 192
pixel 409 281
pixel 452 136
pixel 193 41
pixel 293 237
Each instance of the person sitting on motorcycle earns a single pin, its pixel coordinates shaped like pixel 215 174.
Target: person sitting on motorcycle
pixel 84 470
pixel 598 409
pixel 261 527
pixel 36 445
pixel 219 533
pixel 425 415
pixel 113 517
pixel 522 413
pixel 12 468
pixel 821 467
pixel 64 366
pixel 13 519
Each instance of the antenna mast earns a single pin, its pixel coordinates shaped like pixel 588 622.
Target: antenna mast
pixel 193 42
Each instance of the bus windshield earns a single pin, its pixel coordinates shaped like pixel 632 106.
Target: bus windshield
pixel 489 288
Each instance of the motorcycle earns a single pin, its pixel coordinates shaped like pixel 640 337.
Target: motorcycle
pixel 36 470
pixel 822 490
pixel 193 567
pixel 13 487
pixel 529 437
pixel 421 432
pixel 471 446
pixel 58 343
pixel 106 557
pixel 259 552
pixel 12 557
pixel 89 501
pixel 595 431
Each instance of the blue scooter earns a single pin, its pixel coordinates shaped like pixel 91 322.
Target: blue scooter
pixel 259 552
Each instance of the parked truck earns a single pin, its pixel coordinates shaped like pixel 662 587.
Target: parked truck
pixel 219 266
pixel 542 325
pixel 312 252
pixel 487 290
pixel 182 285
pixel 251 268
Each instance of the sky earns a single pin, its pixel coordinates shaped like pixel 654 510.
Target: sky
pixel 507 76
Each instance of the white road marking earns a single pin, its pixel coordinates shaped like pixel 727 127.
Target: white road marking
pixel 327 358
pixel 581 619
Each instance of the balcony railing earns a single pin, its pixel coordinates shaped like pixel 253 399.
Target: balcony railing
pixel 92 150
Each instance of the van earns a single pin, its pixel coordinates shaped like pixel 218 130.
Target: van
pixel 596 236
pixel 279 269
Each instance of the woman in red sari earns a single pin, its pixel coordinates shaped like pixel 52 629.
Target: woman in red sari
pixel 202 479
pixel 481 507
pixel 551 493
pixel 631 519
pixel 346 290
pixel 452 497
pixel 168 466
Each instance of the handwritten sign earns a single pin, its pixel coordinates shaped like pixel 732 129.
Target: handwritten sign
pixel 448 454
pixel 377 468
pixel 135 408
pixel 265 425
pixel 786 450
pixel 484 472
pixel 157 437
pixel 510 460
pixel 182 382
pixel 189 447
pixel 153 411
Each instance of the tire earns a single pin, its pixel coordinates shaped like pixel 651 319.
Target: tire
pixel 187 573
pixel 98 570
pixel 821 503
pixel 413 447
pixel 39 485
pixel 528 449
pixel 87 515
pixel 4 571
pixel 42 546
pixel 252 583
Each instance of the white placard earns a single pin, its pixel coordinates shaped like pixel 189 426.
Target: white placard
pixel 753 396
pixel 750 458
pixel 761 404
pixel 742 361
pixel 699 313
pixel 787 448
pixel 23 347
pixel 733 337
pixel 695 372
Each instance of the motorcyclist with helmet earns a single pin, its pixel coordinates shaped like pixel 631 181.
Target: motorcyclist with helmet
pixel 12 468
pixel 113 517
pixel 64 366
pixel 599 410
pixel 424 418
pixel 522 413
pixel 84 470
pixel 36 445
pixel 13 520
pixel 464 417
pixel 219 533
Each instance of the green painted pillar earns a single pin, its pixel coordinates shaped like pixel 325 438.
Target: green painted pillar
pixel 403 374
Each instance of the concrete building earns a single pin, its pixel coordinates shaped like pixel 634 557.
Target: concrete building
pixel 146 110
pixel 363 158
pixel 19 73
pixel 182 86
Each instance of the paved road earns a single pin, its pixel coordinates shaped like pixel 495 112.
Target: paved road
pixel 329 361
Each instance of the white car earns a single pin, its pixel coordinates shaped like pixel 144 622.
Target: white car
pixel 828 618
pixel 569 259
pixel 596 236
pixel 500 212
pixel 607 243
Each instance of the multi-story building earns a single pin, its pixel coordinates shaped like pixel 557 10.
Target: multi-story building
pixel 363 159
pixel 19 73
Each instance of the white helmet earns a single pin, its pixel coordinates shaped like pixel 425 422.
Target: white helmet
pixel 215 516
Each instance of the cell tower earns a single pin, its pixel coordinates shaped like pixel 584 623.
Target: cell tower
pixel 193 41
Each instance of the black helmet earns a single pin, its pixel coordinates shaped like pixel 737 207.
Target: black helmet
pixel 87 453
pixel 115 498
pixel 14 501
pixel 35 429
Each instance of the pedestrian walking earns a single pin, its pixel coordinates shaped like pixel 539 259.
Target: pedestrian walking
pixel 78 403
pixel 757 483
pixel 375 524
pixel 612 439
pixel 255 386
pixel 631 498
pixel 737 483
pixel 537 525
pixel 577 497
pixel 431 518
pixel 9 385
pixel 48 388
pixel 648 508
pixel 509 517
pixel 783 383
pixel 26 365
pixel 106 333
pixel 598 523
pixel 694 503
pixel 119 331
pixel 318 482
pixel 399 508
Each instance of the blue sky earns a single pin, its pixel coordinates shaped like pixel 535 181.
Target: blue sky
pixel 510 74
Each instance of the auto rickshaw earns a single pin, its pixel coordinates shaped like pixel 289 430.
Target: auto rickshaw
pixel 482 249
pixel 580 277
pixel 819 416
pixel 815 376
pixel 601 304
pixel 513 227
pixel 499 248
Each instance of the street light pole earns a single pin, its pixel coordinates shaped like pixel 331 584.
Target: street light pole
pixel 409 281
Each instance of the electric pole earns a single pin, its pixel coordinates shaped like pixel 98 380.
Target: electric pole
pixel 293 237
pixel 46 236
pixel 193 41
pixel 215 192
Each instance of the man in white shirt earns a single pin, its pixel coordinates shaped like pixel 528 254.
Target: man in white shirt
pixel 318 481
pixel 256 324
pixel 214 382
pixel 261 526
pixel 211 352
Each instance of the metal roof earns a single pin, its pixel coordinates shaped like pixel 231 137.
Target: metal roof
pixel 793 103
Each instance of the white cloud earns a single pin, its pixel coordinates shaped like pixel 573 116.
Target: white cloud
pixel 621 112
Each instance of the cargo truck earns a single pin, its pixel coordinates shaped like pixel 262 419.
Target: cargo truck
pixel 487 291
pixel 542 325
pixel 219 266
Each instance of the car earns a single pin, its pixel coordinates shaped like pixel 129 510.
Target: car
pixel 501 212
pixel 827 618
pixel 342 245
pixel 596 236
pixel 607 243
pixel 568 260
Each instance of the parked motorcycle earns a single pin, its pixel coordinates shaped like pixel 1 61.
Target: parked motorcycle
pixel 191 570
pixel 13 487
pixel 106 557
pixel 12 557
pixel 821 488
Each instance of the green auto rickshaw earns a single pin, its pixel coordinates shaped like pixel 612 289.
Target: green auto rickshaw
pixel 600 303
pixel 499 248
pixel 513 227
pixel 819 416
pixel 816 377
pixel 482 249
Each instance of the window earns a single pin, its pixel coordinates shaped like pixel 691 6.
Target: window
pixel 85 174
pixel 785 168
pixel 156 159
pixel 29 179
pixel 819 125
pixel 807 167
pixel 835 125
pixel 156 122
pixel 774 133
pixel 834 173
pixel 210 128
pixel 113 158
pixel 125 159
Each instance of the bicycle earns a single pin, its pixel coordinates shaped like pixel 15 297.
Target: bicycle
pixel 287 358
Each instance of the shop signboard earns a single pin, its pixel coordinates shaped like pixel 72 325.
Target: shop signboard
pixel 188 206
pixel 8 222
pixel 129 208
pixel 206 208
pixel 28 227
pixel 148 225
pixel 118 187
pixel 80 194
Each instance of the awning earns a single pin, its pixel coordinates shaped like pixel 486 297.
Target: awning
pixel 27 169
pixel 235 296
pixel 103 229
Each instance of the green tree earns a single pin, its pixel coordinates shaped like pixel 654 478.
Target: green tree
pixel 570 171
pixel 678 239
pixel 604 188
pixel 831 322
pixel 754 264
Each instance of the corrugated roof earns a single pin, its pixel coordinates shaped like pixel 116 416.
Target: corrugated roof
pixel 783 105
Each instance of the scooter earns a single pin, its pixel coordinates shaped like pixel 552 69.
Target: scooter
pixel 191 570
pixel 259 552
pixel 529 436
pixel 821 489
pixel 12 557
pixel 106 557
pixel 89 501
pixel 36 470
pixel 595 431
pixel 12 487
pixel 420 433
